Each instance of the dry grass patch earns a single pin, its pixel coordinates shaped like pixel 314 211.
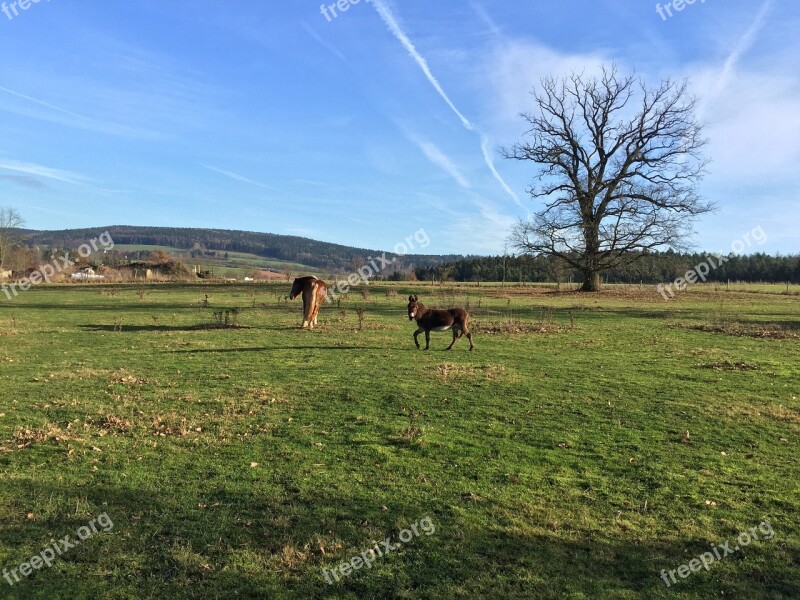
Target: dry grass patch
pixel 173 425
pixel 263 395
pixel 126 379
pixel 772 412
pixel 726 365
pixel 774 331
pixel 518 327
pixel 114 425
pixel 24 438
pixel 78 374
pixel 450 371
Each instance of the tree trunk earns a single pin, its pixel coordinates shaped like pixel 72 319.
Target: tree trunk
pixel 591 281
pixel 591 272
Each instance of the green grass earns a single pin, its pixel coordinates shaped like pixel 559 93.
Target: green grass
pixel 552 460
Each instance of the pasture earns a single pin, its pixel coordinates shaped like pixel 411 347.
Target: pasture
pixel 588 442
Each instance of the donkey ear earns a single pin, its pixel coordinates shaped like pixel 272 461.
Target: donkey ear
pixel 411 298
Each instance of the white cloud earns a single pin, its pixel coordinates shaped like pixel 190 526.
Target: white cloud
pixel 238 177
pixel 40 171
pixel 483 232
pixel 513 68
pixel 754 129
pixel 46 111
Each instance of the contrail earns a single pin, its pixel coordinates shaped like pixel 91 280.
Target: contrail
pixel 490 163
pixel 742 46
pixel 390 21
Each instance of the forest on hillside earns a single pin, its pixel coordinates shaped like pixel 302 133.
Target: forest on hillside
pixel 323 256
pixel 652 268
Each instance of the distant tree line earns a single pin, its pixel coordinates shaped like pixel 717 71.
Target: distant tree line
pixel 651 268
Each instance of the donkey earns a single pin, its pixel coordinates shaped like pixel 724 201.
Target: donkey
pixel 314 291
pixel 438 320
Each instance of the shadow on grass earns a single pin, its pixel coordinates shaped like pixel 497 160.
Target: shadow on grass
pixel 139 328
pixel 279 348
pixel 266 536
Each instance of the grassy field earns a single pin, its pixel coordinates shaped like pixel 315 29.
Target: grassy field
pixel 588 442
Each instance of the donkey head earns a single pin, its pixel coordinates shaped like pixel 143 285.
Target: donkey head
pixel 414 306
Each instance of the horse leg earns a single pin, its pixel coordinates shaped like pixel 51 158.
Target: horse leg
pixel 305 312
pixel 320 298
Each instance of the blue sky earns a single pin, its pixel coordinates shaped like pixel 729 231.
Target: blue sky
pixel 361 129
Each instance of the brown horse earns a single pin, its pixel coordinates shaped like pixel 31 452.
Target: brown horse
pixel 314 291
pixel 438 320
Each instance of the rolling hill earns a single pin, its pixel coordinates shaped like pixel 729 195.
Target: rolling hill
pixel 246 247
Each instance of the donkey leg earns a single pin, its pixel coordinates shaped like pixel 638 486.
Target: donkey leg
pixel 427 339
pixel 468 334
pixel 416 333
pixel 456 335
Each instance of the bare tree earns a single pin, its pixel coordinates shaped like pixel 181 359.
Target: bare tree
pixel 618 168
pixel 10 221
